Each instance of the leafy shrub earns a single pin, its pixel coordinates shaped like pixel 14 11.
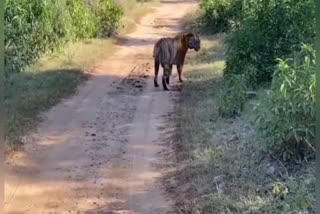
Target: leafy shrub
pixel 233 97
pixel 268 30
pixel 83 21
pixel 289 121
pixel 33 28
pixel 194 21
pixel 24 31
pixel 109 16
pixel 220 15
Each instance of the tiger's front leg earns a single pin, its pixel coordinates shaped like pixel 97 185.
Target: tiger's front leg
pixel 179 68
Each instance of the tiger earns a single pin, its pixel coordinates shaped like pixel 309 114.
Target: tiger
pixel 172 51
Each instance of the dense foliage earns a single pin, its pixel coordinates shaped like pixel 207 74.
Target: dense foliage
pixel 34 27
pixel 260 33
pixel 268 30
pixel 289 119
pixel 220 15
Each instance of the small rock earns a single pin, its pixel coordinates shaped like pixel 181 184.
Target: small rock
pixel 271 170
pixel 307 181
pixel 230 121
pixel 220 188
pixel 220 178
pixel 138 86
pixel 172 183
pixel 245 171
pixel 93 134
pixel 251 94
pixel 234 138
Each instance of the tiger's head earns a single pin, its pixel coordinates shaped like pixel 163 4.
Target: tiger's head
pixel 193 41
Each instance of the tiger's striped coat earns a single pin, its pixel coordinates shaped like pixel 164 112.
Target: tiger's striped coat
pixel 172 51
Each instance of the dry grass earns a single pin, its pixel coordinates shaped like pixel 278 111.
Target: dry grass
pixel 133 16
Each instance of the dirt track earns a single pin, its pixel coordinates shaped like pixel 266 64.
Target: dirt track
pixel 95 152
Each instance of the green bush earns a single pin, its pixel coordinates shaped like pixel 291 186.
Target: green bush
pixel 268 30
pixel 83 21
pixel 220 15
pixel 109 16
pixel 25 30
pixel 289 121
pixel 33 28
pixel 232 97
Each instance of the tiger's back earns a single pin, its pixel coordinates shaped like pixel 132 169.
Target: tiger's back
pixel 165 51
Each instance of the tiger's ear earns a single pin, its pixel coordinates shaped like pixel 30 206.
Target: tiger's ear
pixel 188 35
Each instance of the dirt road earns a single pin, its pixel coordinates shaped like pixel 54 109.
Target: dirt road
pixel 96 152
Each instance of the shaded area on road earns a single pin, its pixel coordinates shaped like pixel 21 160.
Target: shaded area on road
pixel 97 172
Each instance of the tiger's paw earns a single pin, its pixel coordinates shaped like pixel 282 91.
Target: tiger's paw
pixel 168 80
pixel 156 84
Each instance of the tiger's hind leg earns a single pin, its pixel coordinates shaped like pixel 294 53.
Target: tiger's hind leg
pixel 156 72
pixel 165 77
pixel 168 77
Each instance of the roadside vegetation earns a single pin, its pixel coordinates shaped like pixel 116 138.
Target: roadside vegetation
pixel 247 111
pixel 48 47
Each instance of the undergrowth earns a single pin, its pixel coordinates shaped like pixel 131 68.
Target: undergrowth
pixel 232 96
pixel 259 34
pixel 287 118
pixel 229 171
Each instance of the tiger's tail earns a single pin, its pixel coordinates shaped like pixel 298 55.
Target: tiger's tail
pixel 156 52
pixel 157 58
